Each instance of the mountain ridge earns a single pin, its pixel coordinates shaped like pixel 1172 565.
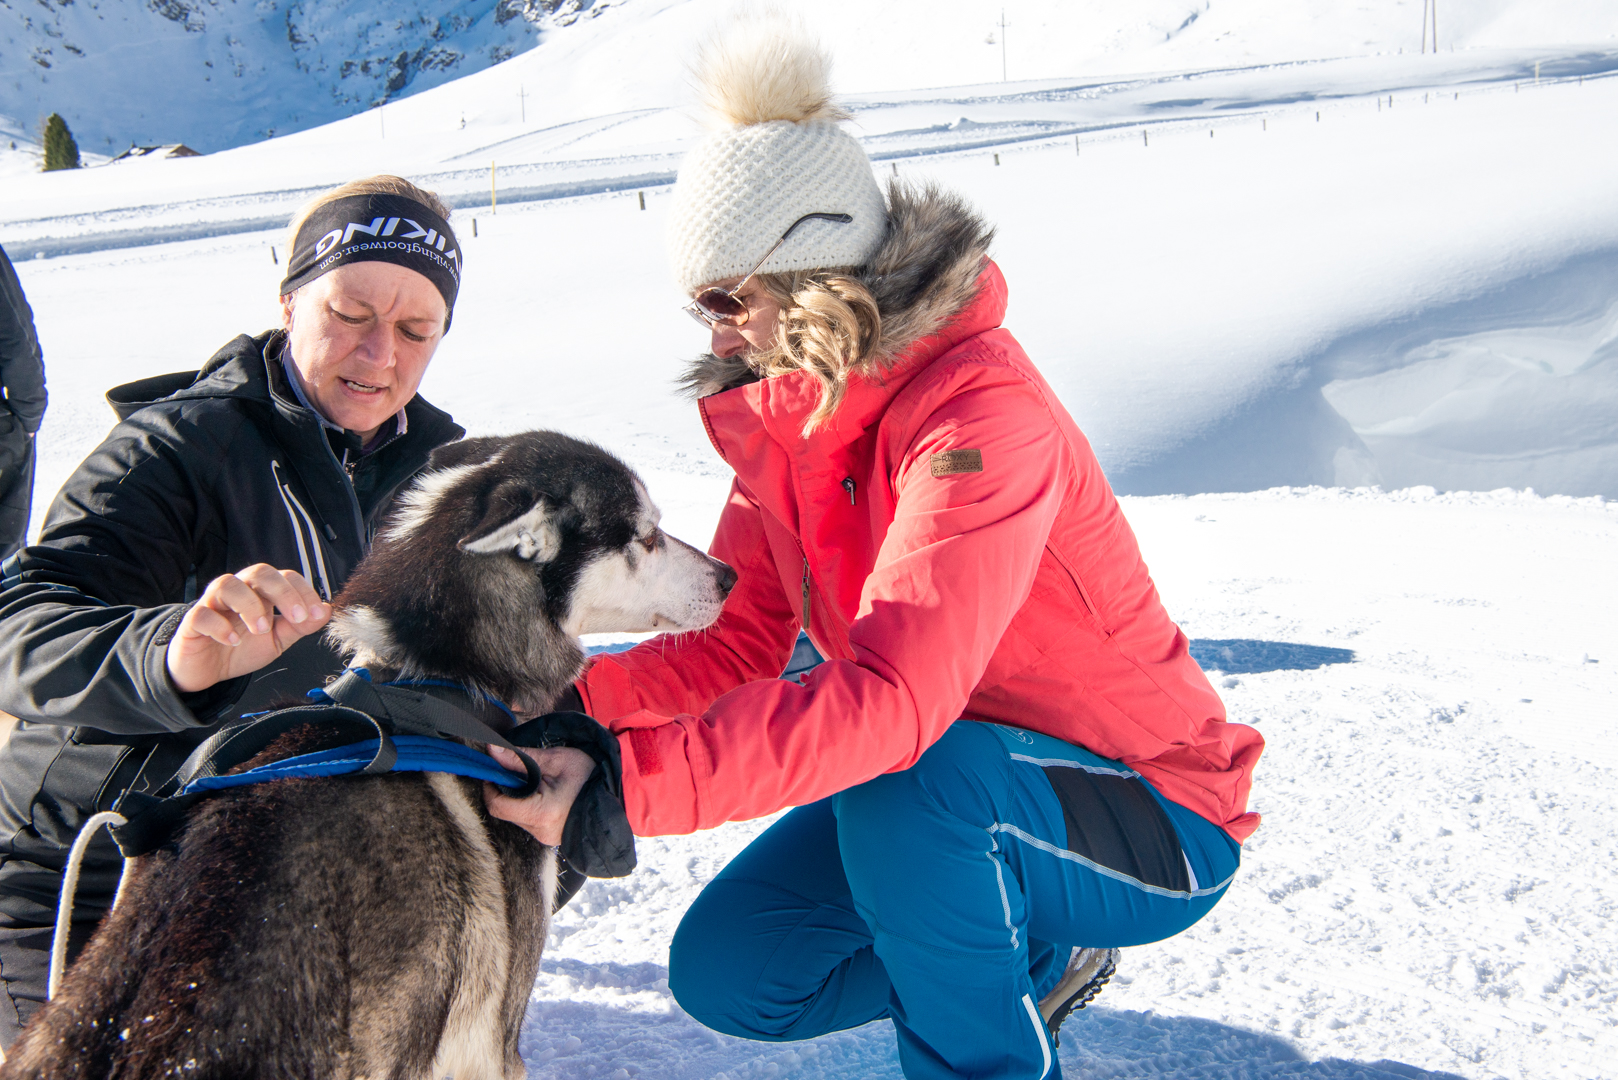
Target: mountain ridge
pixel 215 74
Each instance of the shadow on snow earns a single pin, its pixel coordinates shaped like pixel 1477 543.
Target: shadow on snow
pixel 572 1039
pixel 1241 656
pixel 1237 656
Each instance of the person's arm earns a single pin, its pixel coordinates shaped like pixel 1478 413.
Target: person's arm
pixel 956 565
pixel 87 616
pixel 679 673
pixel 22 370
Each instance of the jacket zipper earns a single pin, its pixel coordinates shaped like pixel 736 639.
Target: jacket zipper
pixel 297 530
pixel 353 497
pixel 806 594
pixel 849 486
pixel 707 426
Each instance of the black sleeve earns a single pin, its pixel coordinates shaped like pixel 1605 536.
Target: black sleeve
pixel 86 614
pixel 22 369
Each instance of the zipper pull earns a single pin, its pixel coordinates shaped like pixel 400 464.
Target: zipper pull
pixel 848 486
pixel 806 594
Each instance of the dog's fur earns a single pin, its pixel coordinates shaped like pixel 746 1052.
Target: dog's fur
pixel 384 926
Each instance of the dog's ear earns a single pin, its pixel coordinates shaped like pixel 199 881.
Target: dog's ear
pixel 466 452
pixel 517 520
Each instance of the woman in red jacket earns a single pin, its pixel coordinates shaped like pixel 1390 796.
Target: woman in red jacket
pixel 1009 764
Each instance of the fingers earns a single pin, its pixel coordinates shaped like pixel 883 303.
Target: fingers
pixel 285 590
pixel 206 622
pixel 563 771
pixel 534 814
pixel 507 758
pixel 247 602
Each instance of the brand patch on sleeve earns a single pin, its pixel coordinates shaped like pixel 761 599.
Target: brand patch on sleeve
pixel 950 462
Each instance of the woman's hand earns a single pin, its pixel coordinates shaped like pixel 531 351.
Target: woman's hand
pixel 242 622
pixel 563 771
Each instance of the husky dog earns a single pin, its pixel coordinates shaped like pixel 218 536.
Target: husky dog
pixel 385 926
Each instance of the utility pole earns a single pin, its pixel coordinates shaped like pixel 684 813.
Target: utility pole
pixel 1002 44
pixel 522 98
pixel 1424 6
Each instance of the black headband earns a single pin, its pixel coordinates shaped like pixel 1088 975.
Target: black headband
pixel 377 228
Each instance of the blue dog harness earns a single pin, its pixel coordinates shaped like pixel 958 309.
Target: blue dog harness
pixel 415 753
pixel 411 753
pixel 404 726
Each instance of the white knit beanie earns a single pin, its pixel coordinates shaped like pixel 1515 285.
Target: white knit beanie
pixel 778 154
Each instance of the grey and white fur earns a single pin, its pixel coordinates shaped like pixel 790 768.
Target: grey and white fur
pixel 384 926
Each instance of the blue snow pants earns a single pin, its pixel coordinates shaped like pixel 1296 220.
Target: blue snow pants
pixel 946 897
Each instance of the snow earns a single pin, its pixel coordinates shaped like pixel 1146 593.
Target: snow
pixel 1432 891
pixel 222 73
pixel 1414 291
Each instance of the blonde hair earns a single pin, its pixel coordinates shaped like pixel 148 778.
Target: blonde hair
pixel 370 185
pixel 829 327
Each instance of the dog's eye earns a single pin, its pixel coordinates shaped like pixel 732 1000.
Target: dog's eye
pixel 649 542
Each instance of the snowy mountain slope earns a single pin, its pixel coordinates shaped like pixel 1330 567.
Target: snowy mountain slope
pixel 1223 288
pixel 220 73
pixel 431 139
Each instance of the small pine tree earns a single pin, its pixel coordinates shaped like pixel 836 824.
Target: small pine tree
pixel 61 151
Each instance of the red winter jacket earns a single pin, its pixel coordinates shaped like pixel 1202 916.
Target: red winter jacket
pixel 953 549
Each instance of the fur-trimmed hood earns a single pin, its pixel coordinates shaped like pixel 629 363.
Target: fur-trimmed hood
pixel 923 273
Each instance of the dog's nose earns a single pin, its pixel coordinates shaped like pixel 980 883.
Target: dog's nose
pixel 726 579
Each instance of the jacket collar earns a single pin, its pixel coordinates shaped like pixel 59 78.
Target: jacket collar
pixel 249 369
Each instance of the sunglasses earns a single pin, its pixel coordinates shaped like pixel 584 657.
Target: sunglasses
pixel 722 307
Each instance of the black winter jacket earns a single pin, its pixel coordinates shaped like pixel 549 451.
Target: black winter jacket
pixel 22 376
pixel 22 372
pixel 207 473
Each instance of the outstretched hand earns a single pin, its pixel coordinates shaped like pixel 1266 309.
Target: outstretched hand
pixel 563 771
pixel 242 622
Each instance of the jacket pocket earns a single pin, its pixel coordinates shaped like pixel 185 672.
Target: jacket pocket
pixel 1085 599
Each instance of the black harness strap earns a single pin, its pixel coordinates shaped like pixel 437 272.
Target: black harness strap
pixel 421 708
pixel 233 745
pixel 358 709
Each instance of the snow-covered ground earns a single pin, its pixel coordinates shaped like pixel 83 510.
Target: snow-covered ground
pixel 1432 891
pixel 1235 281
pixel 1379 269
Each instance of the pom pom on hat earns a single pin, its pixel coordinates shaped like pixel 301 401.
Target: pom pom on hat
pixel 764 68
pixel 777 154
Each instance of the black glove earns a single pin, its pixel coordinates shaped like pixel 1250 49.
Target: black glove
pixel 596 840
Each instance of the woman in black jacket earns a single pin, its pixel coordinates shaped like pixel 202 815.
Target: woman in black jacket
pixel 185 567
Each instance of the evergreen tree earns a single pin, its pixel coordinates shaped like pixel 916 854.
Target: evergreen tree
pixel 61 152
